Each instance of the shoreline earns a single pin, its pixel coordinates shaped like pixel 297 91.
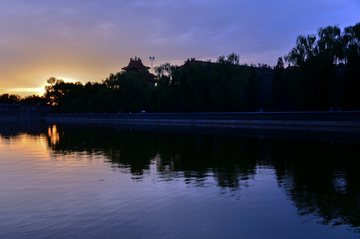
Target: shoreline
pixel 305 133
pixel 299 120
pixel 324 121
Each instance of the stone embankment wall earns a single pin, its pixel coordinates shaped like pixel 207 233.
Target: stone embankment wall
pixel 318 119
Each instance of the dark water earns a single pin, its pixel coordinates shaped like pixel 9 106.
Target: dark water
pixel 78 181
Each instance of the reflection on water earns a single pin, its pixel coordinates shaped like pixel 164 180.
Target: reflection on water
pixel 53 134
pixel 216 185
pixel 194 156
pixel 321 179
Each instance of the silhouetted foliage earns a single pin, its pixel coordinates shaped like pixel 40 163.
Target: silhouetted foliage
pixel 252 90
pixel 201 86
pixel 34 99
pixel 351 85
pixel 282 98
pixel 316 79
pixel 9 99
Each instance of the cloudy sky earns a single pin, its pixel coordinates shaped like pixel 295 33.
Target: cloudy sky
pixel 86 40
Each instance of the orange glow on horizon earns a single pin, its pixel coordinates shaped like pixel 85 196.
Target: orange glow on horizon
pixel 23 92
pixel 40 91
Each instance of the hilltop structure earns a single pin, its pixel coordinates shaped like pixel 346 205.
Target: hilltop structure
pixel 136 66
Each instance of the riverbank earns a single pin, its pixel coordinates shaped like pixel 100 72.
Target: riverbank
pixel 231 119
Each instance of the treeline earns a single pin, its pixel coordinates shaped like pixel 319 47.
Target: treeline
pixel 323 72
pixel 16 99
pixel 195 86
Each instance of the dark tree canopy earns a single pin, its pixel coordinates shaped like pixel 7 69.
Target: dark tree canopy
pixel 325 70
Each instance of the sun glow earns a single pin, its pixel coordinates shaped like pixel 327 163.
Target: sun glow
pixel 68 80
pixel 23 92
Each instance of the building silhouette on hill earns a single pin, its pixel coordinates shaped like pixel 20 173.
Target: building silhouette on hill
pixel 135 65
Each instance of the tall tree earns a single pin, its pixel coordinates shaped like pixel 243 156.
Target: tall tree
pixel 231 81
pixel 351 84
pixel 316 60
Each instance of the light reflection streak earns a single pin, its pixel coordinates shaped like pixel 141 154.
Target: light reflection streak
pixel 54 135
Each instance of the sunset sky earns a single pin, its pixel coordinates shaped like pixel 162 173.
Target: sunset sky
pixel 86 40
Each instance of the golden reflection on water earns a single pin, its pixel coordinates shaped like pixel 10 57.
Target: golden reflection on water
pixel 53 135
pixel 26 144
pixel 39 148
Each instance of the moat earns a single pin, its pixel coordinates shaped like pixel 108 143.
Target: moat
pixel 120 181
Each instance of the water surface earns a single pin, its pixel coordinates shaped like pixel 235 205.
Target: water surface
pixel 83 181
